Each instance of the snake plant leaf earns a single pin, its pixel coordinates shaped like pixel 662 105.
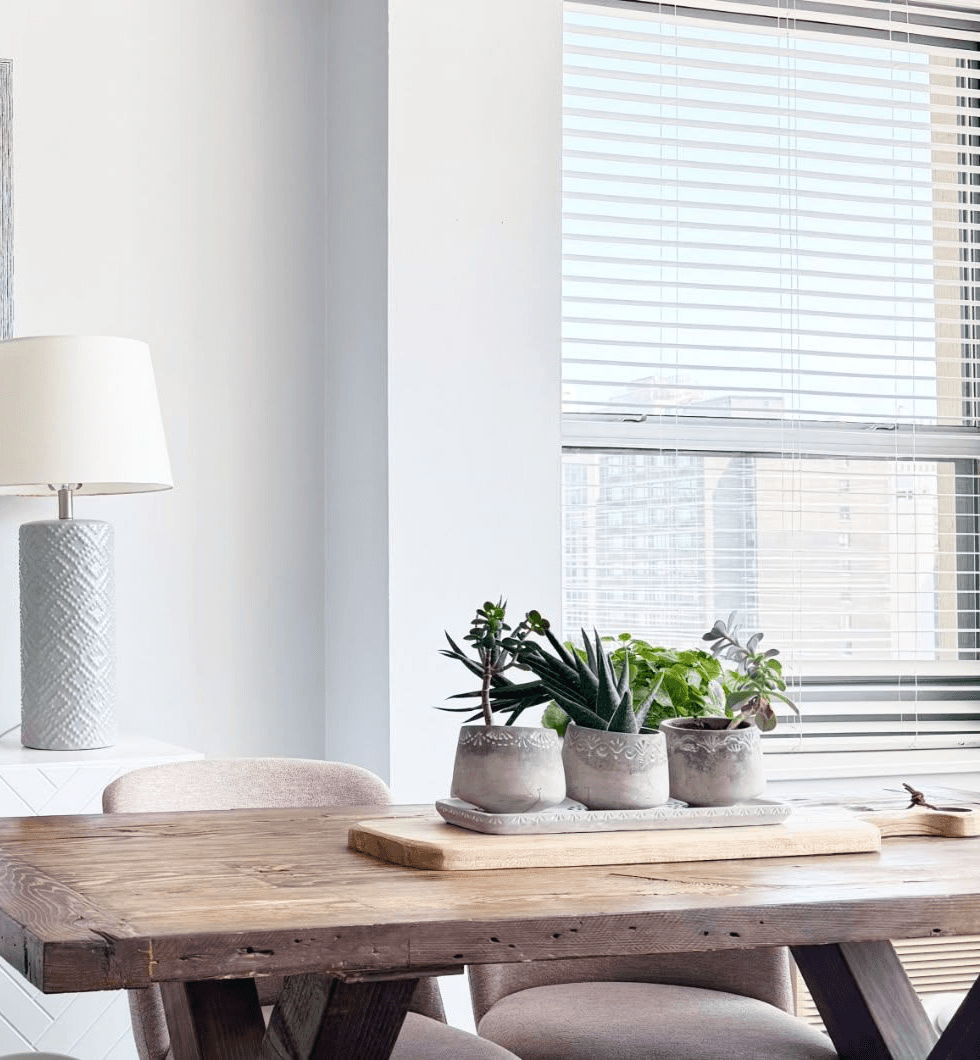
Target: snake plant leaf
pixel 607 681
pixel 624 718
pixel 580 714
pixel 590 653
pixel 553 672
pixel 623 684
pixel 587 675
pixel 560 650
pixel 470 665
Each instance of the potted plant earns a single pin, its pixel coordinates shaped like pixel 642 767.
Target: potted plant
pixel 502 769
pixel 716 760
pixel 609 763
pixel 669 682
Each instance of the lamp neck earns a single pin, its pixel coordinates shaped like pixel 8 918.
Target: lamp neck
pixel 64 502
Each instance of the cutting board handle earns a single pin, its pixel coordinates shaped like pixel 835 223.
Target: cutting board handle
pixel 956 824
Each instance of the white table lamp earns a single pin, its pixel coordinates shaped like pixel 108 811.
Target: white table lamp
pixel 78 414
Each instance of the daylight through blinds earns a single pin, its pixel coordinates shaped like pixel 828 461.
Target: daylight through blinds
pixel 771 279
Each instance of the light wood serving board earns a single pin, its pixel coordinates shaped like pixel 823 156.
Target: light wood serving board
pixel 915 821
pixel 431 843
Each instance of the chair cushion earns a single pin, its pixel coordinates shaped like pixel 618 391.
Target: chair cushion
pixel 422 1038
pixel 941 1008
pixel 647 1021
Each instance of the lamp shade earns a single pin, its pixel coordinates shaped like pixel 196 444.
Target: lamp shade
pixel 80 410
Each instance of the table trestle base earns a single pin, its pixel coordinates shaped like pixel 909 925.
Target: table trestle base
pixel 867 1003
pixel 317 1017
pixel 215 1019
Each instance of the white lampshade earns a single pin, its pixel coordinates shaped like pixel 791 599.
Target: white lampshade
pixel 80 409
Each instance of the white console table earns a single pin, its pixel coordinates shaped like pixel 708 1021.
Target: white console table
pixel 90 1026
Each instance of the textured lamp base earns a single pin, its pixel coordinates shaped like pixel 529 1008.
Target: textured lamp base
pixel 67 635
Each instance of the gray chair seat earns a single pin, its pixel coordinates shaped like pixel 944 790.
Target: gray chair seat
pixel 422 1038
pixel 647 1021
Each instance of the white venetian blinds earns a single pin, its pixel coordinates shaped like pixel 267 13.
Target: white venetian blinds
pixel 767 210
pixel 771 276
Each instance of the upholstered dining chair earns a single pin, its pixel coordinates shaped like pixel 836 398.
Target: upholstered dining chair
pixel 728 1005
pixel 255 783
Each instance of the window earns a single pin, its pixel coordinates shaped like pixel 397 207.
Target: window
pixel 770 299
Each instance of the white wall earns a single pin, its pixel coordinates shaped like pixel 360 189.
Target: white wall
pixel 169 185
pixel 455 395
pixel 473 343
pixel 169 181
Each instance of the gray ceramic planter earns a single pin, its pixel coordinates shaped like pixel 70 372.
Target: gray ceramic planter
pixel 508 768
pixel 615 770
pixel 713 766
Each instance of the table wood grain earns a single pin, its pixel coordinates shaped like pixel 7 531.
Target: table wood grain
pixel 97 903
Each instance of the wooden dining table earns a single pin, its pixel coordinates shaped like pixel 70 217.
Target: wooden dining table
pixel 205 903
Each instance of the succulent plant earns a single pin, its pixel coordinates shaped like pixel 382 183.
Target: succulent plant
pixel 591 686
pixel 758 679
pixel 622 684
pixel 673 683
pixel 496 651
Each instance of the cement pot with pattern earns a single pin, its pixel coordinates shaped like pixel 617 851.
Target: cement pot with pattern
pixel 508 768
pixel 712 765
pixel 615 770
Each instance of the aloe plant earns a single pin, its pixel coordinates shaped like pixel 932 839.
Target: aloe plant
pixel 591 687
pixel 672 683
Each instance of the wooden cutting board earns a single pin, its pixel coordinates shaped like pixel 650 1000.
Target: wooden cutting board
pixel 916 821
pixel 431 843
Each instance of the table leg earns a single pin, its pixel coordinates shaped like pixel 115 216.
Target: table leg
pixel 961 1039
pixel 217 1019
pixel 868 1005
pixel 319 1017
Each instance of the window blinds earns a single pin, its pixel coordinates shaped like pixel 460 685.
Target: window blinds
pixel 771 287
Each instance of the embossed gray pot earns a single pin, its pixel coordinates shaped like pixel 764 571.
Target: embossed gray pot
pixel 508 768
pixel 615 770
pixel 713 766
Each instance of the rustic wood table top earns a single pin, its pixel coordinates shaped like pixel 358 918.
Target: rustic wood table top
pixel 187 899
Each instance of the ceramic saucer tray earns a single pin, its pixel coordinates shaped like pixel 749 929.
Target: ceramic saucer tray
pixel 571 816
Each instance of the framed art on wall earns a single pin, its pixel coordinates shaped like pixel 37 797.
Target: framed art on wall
pixel 6 205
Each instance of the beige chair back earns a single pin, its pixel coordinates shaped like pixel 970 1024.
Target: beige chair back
pixel 241 783
pixel 761 973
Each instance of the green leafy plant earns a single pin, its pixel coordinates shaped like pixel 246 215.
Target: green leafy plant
pixel 757 681
pixel 496 647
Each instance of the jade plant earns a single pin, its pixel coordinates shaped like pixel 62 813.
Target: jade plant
pixel 496 647
pixel 757 681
